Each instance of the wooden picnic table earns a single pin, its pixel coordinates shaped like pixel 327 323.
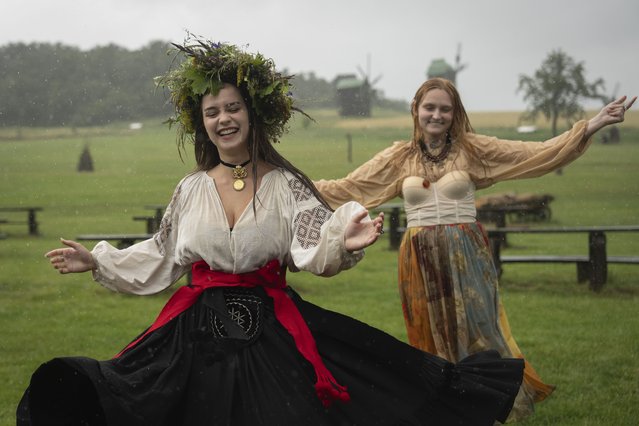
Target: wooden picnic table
pixel 31 217
pixel 520 207
pixel 152 225
pixel 152 221
pixel 158 209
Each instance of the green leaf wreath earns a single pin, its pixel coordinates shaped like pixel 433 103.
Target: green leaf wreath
pixel 205 66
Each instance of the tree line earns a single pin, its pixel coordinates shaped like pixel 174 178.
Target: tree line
pixel 53 84
pixel 43 84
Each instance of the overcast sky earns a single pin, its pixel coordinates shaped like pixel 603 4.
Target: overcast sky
pixel 500 39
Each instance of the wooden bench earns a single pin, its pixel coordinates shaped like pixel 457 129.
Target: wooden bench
pixel 158 210
pixel 123 240
pixel 592 267
pixel 30 221
pixel 152 221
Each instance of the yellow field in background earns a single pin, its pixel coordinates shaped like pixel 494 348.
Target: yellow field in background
pixel 481 119
pixel 328 118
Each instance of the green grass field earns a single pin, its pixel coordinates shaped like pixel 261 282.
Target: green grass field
pixel 585 343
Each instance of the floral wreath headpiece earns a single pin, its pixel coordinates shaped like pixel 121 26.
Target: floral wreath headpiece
pixel 207 66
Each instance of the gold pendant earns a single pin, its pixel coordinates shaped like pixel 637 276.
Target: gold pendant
pixel 239 172
pixel 238 184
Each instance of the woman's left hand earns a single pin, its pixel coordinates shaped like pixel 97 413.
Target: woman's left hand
pixel 359 235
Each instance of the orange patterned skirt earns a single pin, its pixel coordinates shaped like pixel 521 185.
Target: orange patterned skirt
pixel 449 291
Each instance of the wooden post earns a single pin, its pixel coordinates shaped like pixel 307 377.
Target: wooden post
pixel 500 218
pixel 151 225
pixel 495 239
pixel 395 236
pixel 598 259
pixel 157 221
pixel 33 224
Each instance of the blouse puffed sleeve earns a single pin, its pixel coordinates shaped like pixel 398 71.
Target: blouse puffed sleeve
pixel 371 184
pixel 317 244
pixel 507 159
pixel 144 268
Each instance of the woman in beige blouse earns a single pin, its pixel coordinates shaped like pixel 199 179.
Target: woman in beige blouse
pixel 238 346
pixel 447 279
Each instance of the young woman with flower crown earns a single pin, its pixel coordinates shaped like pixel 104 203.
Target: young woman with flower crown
pixel 237 346
pixel 447 279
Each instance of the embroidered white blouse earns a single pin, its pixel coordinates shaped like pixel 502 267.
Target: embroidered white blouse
pixel 289 224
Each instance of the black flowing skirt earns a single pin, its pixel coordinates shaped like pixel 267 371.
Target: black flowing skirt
pixel 196 371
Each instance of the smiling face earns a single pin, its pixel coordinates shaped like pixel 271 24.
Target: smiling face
pixel 435 113
pixel 226 121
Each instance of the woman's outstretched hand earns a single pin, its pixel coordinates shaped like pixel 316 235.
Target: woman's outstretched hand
pixel 610 114
pixel 359 235
pixel 74 258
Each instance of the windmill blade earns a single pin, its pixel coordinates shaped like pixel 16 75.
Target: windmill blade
pixel 376 79
pixel 458 65
pixel 363 74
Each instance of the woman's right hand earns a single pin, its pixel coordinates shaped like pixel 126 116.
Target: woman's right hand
pixel 74 258
pixel 361 232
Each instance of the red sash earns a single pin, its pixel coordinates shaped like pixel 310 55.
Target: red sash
pixel 272 278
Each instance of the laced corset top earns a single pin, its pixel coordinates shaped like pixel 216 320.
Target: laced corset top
pixel 449 200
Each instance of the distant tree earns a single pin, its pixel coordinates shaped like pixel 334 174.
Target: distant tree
pixel 33 83
pixel 44 84
pixel 312 91
pixel 556 88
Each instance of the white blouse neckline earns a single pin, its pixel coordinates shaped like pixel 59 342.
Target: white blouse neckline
pixel 265 180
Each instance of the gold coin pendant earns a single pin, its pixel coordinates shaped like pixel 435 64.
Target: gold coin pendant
pixel 238 184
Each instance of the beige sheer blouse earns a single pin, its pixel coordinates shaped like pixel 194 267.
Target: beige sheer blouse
pixel 289 224
pixel 450 197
